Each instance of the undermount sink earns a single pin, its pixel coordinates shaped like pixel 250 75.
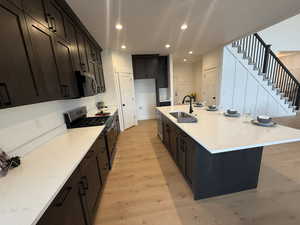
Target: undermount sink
pixel 183 117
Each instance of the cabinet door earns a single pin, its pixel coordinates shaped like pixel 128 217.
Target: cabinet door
pixel 190 148
pixel 17 82
pixel 182 154
pixel 37 10
pixel 56 17
pixel 139 64
pixel 91 55
pixel 162 75
pixel 67 77
pixel 44 59
pixel 102 157
pixel 91 180
pixel 82 51
pixel 17 3
pixel 71 37
pixel 100 72
pixel 174 141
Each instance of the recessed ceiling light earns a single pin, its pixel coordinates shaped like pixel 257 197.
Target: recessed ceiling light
pixel 184 60
pixel 123 46
pixel 168 46
pixel 184 26
pixel 119 26
pixel 190 52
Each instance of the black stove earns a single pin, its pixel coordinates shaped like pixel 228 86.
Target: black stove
pixel 78 118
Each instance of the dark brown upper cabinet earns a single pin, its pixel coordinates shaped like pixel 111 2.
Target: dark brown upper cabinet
pixel 48 13
pixel 70 30
pixel 67 77
pixel 163 72
pixel 56 17
pixel 145 66
pixel 37 10
pixel 17 81
pixel 82 51
pixel 17 3
pixel 43 46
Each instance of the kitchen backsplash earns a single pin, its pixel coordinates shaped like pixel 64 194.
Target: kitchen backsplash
pixel 24 128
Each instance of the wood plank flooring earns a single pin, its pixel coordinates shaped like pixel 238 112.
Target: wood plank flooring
pixel 146 188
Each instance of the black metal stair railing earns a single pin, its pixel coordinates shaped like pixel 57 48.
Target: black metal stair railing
pixel 270 66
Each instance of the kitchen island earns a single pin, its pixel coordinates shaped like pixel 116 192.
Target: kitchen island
pixel 219 155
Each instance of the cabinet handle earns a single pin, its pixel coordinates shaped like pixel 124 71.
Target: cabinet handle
pixel 49 19
pixel 4 95
pixel 83 67
pixel 85 182
pixel 81 189
pixel 64 197
pixel 54 24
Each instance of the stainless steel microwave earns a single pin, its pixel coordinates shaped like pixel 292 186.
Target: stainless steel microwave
pixel 87 84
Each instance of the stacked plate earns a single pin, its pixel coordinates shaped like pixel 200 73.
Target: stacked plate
pixel 232 113
pixel 264 121
pixel 212 108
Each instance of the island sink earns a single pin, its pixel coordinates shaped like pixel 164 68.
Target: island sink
pixel 183 117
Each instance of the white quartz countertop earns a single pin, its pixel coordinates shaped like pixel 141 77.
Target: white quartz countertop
pixel 218 133
pixel 27 191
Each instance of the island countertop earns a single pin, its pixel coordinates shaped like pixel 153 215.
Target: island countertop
pixel 218 133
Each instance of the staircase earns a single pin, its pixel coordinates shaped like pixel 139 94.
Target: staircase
pixel 268 66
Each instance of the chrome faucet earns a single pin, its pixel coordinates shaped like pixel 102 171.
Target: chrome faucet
pixel 191 99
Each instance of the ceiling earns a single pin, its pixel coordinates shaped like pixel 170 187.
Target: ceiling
pixel 148 25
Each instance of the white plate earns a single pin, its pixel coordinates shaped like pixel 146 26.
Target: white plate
pixel 232 115
pixel 211 110
pixel 271 124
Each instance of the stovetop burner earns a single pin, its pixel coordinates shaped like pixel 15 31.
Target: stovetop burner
pixel 89 121
pixel 78 118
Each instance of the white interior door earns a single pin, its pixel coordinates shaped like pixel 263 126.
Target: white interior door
pixel 127 99
pixel 210 86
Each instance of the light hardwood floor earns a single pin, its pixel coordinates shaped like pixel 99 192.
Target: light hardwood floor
pixel 146 188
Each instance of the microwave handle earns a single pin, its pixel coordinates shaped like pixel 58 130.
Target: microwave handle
pixel 94 87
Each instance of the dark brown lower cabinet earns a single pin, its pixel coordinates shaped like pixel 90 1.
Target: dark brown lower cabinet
pixel 102 157
pixel 67 207
pixel 77 201
pixel 91 180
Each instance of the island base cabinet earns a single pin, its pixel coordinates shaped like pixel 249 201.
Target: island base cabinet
pixel 225 173
pixel 209 174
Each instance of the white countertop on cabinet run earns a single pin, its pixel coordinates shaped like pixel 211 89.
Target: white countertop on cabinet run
pixel 27 191
pixel 218 133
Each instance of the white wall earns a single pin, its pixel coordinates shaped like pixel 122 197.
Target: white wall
pixel 211 61
pixel 110 95
pixel 24 128
pixel 283 36
pixel 145 96
pixel 242 90
pixel 184 80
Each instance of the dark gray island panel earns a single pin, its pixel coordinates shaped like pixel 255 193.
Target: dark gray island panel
pixel 211 174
